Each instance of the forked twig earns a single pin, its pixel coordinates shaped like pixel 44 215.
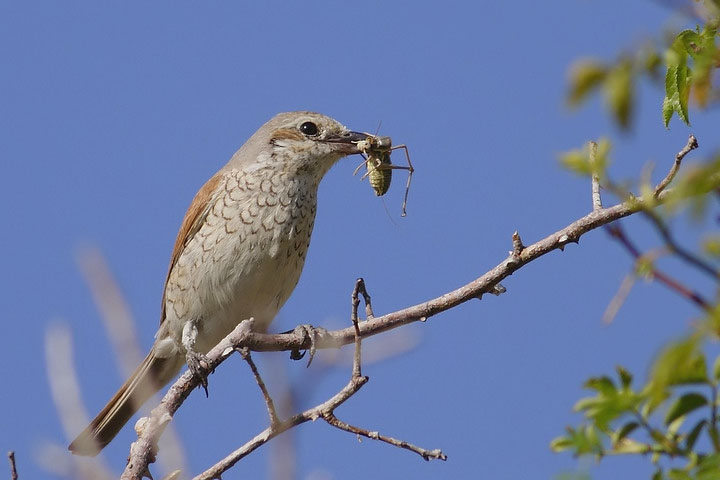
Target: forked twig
pixel 245 353
pixel 691 145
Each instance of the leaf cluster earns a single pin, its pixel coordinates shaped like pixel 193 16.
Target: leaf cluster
pixel 689 59
pixel 667 418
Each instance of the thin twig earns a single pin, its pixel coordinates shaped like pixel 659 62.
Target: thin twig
pixel 675 247
pixel 617 232
pixel 596 199
pixel 617 301
pixel 325 410
pixel 245 353
pixel 13 469
pixel 269 433
pixel 436 454
pixel 366 298
pixel 692 144
pixel 359 286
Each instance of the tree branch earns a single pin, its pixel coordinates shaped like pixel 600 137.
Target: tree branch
pixel 143 451
pixel 595 180
pixel 618 233
pixel 13 468
pixel 692 144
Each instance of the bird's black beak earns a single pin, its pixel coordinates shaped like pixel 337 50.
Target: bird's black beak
pixel 347 142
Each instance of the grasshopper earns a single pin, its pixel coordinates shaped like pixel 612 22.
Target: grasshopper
pixel 376 152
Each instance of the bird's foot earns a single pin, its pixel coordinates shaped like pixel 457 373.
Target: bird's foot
pixel 307 331
pixel 199 365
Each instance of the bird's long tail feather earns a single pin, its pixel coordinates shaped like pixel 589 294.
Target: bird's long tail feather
pixel 152 374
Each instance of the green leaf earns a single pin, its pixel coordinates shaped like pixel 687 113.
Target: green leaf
pixel 624 431
pixel 585 76
pixel 716 369
pixel 677 93
pixel 658 475
pixel 694 433
pixel 604 408
pixel 677 474
pixel 619 93
pixel 667 110
pixel 708 468
pixel 673 428
pixel 684 405
pixel 578 161
pixel 711 246
pixel 630 446
pixel 677 81
pixel 603 385
pixel 584 440
pixel 679 363
pixel 625 376
pixel 691 41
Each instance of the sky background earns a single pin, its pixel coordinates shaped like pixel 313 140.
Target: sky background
pixel 115 113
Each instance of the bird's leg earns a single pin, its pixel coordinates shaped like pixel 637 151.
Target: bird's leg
pixel 197 362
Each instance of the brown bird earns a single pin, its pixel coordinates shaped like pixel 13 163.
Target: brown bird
pixel 239 254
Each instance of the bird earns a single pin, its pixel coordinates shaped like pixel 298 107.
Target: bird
pixel 239 254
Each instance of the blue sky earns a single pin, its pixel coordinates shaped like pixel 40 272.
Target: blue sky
pixel 115 113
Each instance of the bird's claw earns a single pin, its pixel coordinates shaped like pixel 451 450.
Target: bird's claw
pixel 307 331
pixel 199 365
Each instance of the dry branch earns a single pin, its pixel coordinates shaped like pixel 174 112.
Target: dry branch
pixel 143 451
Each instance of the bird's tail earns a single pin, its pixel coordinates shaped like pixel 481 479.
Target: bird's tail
pixel 152 374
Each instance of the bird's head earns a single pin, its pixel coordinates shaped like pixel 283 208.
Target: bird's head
pixel 302 141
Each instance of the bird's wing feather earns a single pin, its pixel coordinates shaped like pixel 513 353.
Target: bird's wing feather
pixel 194 219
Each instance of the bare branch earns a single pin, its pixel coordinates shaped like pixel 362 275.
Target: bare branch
pixel 366 298
pixel 617 301
pixel 13 469
pixel 618 233
pixel 596 200
pixel 245 353
pixel 675 247
pixel 483 284
pixel 436 454
pixel 692 144
pixel 142 451
pixel 359 285
pixel 269 433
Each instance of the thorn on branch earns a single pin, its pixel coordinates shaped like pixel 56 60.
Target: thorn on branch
pixel 691 145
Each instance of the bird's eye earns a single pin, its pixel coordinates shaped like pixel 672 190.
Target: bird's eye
pixel 309 128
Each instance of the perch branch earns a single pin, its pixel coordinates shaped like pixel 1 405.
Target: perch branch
pixel 143 451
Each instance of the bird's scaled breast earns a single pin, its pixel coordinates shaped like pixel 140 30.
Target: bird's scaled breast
pixel 247 255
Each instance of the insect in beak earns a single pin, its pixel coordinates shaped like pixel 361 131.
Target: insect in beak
pixel 376 151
